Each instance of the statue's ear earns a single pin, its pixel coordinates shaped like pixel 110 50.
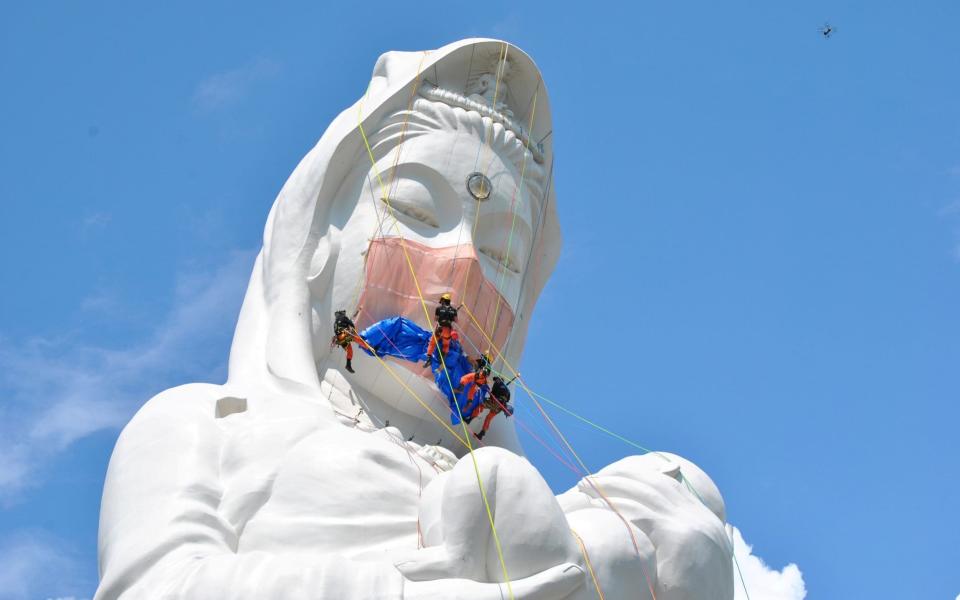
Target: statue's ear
pixel 323 265
pixel 320 283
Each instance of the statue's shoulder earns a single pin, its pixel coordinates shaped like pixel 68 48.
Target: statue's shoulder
pixel 189 399
pixel 192 405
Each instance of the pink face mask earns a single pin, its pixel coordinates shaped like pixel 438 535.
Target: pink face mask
pixel 390 290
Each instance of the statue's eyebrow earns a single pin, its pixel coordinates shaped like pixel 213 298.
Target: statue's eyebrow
pixel 394 173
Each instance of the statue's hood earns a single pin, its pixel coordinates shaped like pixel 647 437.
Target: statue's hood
pixel 272 343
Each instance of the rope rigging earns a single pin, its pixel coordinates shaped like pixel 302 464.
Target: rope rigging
pixel 577 466
pixel 423 303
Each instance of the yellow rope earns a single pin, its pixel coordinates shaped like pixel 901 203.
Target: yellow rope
pixel 420 400
pixel 393 171
pixel 531 394
pixel 501 59
pixel 563 438
pixel 586 558
pixel 501 67
pixel 426 312
pixel 518 191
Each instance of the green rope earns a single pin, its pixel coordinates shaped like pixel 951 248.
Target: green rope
pixel 592 424
pixel 599 427
pixel 683 478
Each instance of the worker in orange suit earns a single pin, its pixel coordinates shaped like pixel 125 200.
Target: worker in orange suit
pixel 474 386
pixel 497 401
pixel 445 315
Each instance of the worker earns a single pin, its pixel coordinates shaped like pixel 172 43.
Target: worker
pixel 345 333
pixel 445 315
pixel 474 386
pixel 484 360
pixel 498 400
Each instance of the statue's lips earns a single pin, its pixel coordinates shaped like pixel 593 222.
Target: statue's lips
pixel 389 290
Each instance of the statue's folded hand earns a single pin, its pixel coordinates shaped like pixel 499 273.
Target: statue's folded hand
pixel 555 583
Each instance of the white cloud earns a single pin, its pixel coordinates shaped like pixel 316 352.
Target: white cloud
pixel 57 391
pixel 763 582
pixel 36 565
pixel 227 87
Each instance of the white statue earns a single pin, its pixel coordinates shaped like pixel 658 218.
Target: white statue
pixel 287 482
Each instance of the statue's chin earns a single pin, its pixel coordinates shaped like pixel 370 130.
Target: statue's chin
pixel 388 394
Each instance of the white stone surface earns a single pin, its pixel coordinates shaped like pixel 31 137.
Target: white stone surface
pixel 285 482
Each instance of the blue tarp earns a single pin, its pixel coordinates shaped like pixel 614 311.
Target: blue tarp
pixel 397 337
pixel 402 338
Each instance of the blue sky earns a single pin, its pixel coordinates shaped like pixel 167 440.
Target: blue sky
pixel 767 222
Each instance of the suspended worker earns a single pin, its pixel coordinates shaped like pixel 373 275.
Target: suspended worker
pixel 484 360
pixel 474 386
pixel 498 401
pixel 345 333
pixel 445 315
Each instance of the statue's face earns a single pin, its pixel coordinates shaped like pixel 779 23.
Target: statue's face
pixel 478 251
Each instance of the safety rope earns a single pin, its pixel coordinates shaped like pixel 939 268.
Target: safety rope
pixel 423 303
pixel 413 460
pixel 386 337
pixel 501 61
pixel 466 84
pixel 588 478
pixel 533 396
pixel 501 68
pixel 743 582
pixel 595 425
pixel 572 468
pixel 393 173
pixel 575 470
pixel 513 210
pixel 693 489
pixel 586 558
pixel 465 336
pixel 420 400
pixel 522 423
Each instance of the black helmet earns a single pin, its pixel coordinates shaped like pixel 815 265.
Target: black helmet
pixel 340 313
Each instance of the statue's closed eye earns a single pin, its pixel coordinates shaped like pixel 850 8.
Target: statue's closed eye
pixel 501 258
pixel 412 199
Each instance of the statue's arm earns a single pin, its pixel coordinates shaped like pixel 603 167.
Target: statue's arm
pixel 162 536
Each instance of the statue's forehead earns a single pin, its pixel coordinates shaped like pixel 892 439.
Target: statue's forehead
pixel 455 154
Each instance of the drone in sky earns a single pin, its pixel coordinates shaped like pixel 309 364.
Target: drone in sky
pixel 827 30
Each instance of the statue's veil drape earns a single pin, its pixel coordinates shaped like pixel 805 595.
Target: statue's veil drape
pixel 289 285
